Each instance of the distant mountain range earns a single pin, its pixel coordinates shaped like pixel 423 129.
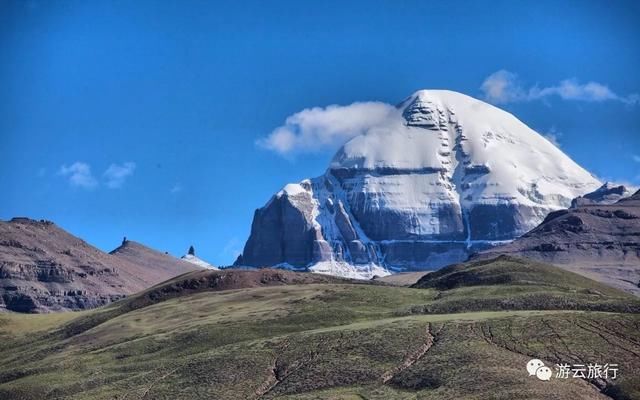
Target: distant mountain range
pixel 44 268
pixel 446 176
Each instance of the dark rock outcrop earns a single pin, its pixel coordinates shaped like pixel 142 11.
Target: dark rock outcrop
pixel 606 194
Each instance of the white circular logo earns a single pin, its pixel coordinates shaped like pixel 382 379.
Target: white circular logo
pixel 544 373
pixel 537 368
pixel 533 365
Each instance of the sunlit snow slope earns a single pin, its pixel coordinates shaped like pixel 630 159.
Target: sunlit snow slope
pixel 197 261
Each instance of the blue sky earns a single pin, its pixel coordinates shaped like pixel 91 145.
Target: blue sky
pixel 141 118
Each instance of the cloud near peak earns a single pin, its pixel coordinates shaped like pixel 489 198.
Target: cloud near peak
pixel 320 128
pixel 326 128
pixel 504 87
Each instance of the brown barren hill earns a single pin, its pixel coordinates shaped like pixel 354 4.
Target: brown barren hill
pixel 153 266
pixel 599 241
pixel 43 268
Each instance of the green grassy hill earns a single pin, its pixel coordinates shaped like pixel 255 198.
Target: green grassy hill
pixel 278 334
pixel 507 283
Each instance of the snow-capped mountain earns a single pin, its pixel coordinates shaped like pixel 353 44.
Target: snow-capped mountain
pixel 445 176
pixel 191 257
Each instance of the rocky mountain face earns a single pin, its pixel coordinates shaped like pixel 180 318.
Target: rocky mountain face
pixel 446 176
pixel 600 241
pixel 606 194
pixel 44 268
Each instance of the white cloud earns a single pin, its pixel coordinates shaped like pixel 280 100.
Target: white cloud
pixel 79 175
pixel 571 89
pixel 503 87
pixel 116 174
pixel 320 128
pixel 636 158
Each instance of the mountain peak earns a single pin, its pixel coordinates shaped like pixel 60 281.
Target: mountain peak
pixel 478 149
pixel 438 103
pixel 442 177
pixel 437 96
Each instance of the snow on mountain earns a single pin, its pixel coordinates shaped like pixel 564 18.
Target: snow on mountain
pixel 347 270
pixel 191 257
pixel 197 261
pixel 443 177
pixel 484 153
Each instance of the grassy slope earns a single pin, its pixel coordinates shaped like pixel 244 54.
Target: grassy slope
pixel 331 340
pixel 512 283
